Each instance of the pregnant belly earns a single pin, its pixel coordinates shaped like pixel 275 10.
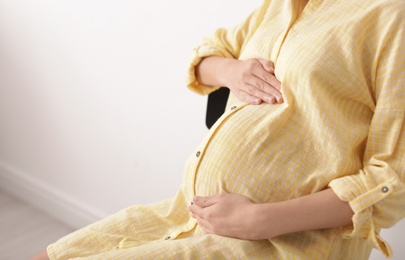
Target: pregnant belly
pixel 248 154
pixel 269 153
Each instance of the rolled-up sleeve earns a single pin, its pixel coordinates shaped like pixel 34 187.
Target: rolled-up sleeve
pixel 376 193
pixel 227 43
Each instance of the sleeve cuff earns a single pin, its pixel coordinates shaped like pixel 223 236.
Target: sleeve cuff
pixel 198 54
pixel 364 194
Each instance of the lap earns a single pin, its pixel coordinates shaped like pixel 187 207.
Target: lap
pixel 193 247
pixel 140 231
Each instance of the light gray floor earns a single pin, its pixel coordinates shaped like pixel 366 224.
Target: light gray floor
pixel 24 230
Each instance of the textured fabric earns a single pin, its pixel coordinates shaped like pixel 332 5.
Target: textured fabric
pixel 341 64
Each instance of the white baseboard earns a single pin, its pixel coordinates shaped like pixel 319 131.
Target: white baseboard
pixel 63 207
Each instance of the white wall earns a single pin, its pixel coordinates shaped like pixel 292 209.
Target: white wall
pixel 94 112
pixel 93 101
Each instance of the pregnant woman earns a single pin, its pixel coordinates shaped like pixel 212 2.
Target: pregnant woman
pixel 307 162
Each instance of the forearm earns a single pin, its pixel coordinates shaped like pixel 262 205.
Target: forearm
pixel 210 71
pixel 316 211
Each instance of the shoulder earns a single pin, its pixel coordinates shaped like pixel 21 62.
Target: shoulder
pixel 394 6
pixel 390 13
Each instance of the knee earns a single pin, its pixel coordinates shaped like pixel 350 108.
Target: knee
pixel 41 256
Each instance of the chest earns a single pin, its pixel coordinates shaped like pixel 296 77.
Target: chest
pixel 326 49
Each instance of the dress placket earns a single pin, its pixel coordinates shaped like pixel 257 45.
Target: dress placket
pixel 199 154
pixel 292 11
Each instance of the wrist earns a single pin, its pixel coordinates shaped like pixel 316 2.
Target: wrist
pixel 215 71
pixel 225 71
pixel 266 225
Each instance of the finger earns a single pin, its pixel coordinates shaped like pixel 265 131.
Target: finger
pixel 267 65
pixel 266 73
pixel 196 211
pixel 204 201
pixel 244 96
pixel 211 229
pixel 205 225
pixel 261 89
pixel 269 78
pixel 267 84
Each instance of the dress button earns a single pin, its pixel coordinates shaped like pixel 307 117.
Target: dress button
pixel 233 108
pixel 198 154
pixel 384 189
pixel 167 238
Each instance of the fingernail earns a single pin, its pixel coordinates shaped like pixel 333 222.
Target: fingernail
pixel 280 100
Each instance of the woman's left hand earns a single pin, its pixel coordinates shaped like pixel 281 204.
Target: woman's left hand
pixel 227 215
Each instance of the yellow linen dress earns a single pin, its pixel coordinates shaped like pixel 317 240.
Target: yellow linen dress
pixel 342 65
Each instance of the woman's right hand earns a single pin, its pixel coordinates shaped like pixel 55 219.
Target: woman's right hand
pixel 251 80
